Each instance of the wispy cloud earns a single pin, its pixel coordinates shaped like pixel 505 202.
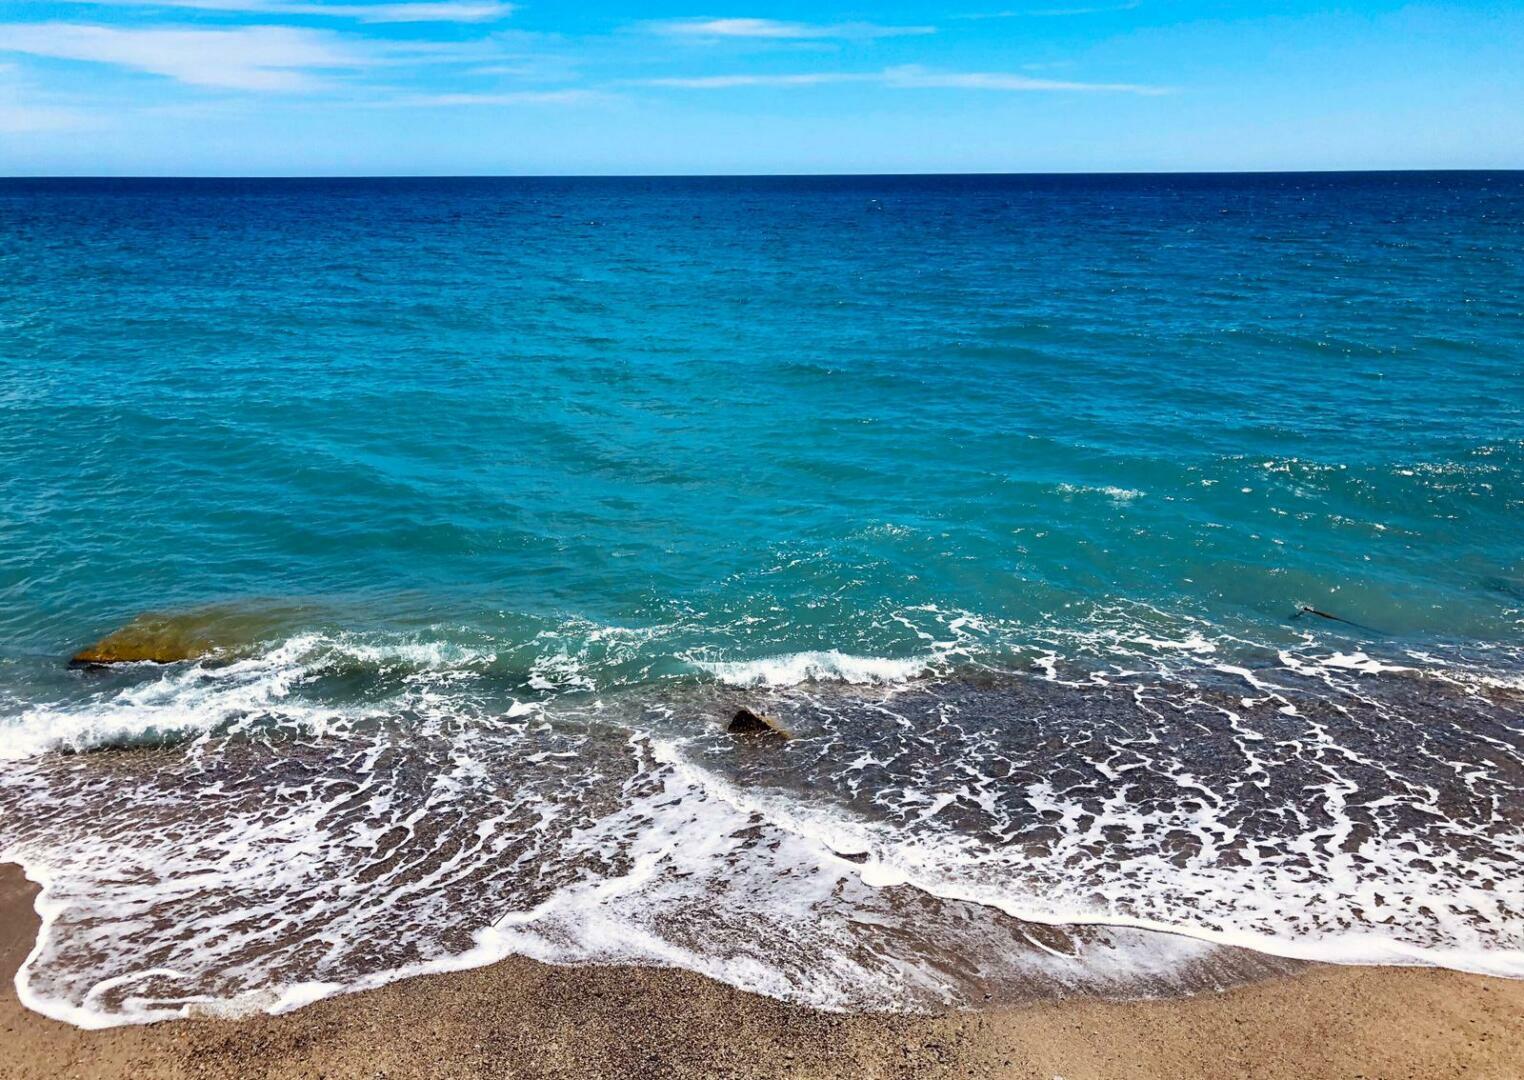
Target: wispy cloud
pixel 1027 13
pixel 19 113
pixel 17 119
pixel 268 58
pixel 778 30
pixel 725 82
pixel 908 77
pixel 509 98
pixel 914 77
pixel 421 11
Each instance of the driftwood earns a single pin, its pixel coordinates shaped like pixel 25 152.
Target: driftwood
pixel 1306 610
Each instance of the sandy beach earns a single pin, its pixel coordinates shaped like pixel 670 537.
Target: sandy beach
pixel 523 1019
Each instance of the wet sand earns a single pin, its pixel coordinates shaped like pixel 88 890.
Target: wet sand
pixel 522 1019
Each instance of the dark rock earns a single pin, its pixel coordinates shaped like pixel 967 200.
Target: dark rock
pixel 748 722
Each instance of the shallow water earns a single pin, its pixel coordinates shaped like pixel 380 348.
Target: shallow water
pixel 1004 493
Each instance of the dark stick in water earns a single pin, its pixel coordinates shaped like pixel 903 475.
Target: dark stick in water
pixel 1306 610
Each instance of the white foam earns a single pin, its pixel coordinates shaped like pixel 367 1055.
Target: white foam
pixel 186 699
pixel 1359 661
pixel 1193 642
pixel 667 861
pixel 424 653
pixel 190 698
pixel 1264 907
pixel 791 669
pixel 674 875
pixel 1117 494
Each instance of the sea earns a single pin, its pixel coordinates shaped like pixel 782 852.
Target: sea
pixel 1136 561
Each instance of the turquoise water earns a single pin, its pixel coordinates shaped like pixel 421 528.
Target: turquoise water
pixel 477 473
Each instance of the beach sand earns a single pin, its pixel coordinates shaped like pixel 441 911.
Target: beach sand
pixel 519 1018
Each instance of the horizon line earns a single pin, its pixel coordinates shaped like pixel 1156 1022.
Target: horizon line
pixel 760 176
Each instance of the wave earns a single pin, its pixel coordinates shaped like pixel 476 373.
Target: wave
pixel 1122 807
pixel 151 703
pixel 680 876
pixel 1242 909
pixel 311 680
pixel 793 669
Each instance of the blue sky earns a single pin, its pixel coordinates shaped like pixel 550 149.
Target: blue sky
pixel 258 87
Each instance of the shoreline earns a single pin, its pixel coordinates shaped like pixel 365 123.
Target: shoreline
pixel 523 1018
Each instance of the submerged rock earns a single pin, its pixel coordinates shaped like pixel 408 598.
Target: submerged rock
pixel 748 722
pixel 158 639
pixel 171 637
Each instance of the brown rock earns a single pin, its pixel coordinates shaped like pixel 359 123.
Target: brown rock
pixel 195 634
pixel 748 722
pixel 154 638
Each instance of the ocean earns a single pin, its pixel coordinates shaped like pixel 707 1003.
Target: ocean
pixel 494 499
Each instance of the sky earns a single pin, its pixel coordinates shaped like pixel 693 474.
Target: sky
pixel 439 87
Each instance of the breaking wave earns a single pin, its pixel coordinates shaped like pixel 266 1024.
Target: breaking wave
pixel 1144 805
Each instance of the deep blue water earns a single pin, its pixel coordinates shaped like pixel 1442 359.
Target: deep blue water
pixel 466 467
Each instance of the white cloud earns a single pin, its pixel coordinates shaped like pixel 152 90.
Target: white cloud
pixel 271 58
pixel 777 30
pixel 20 112
pixel 512 97
pixel 725 82
pixel 905 78
pixel 463 11
pixel 914 77
pixel 1046 12
pixel 16 119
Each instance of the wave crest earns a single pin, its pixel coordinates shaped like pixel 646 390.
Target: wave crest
pixel 792 669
